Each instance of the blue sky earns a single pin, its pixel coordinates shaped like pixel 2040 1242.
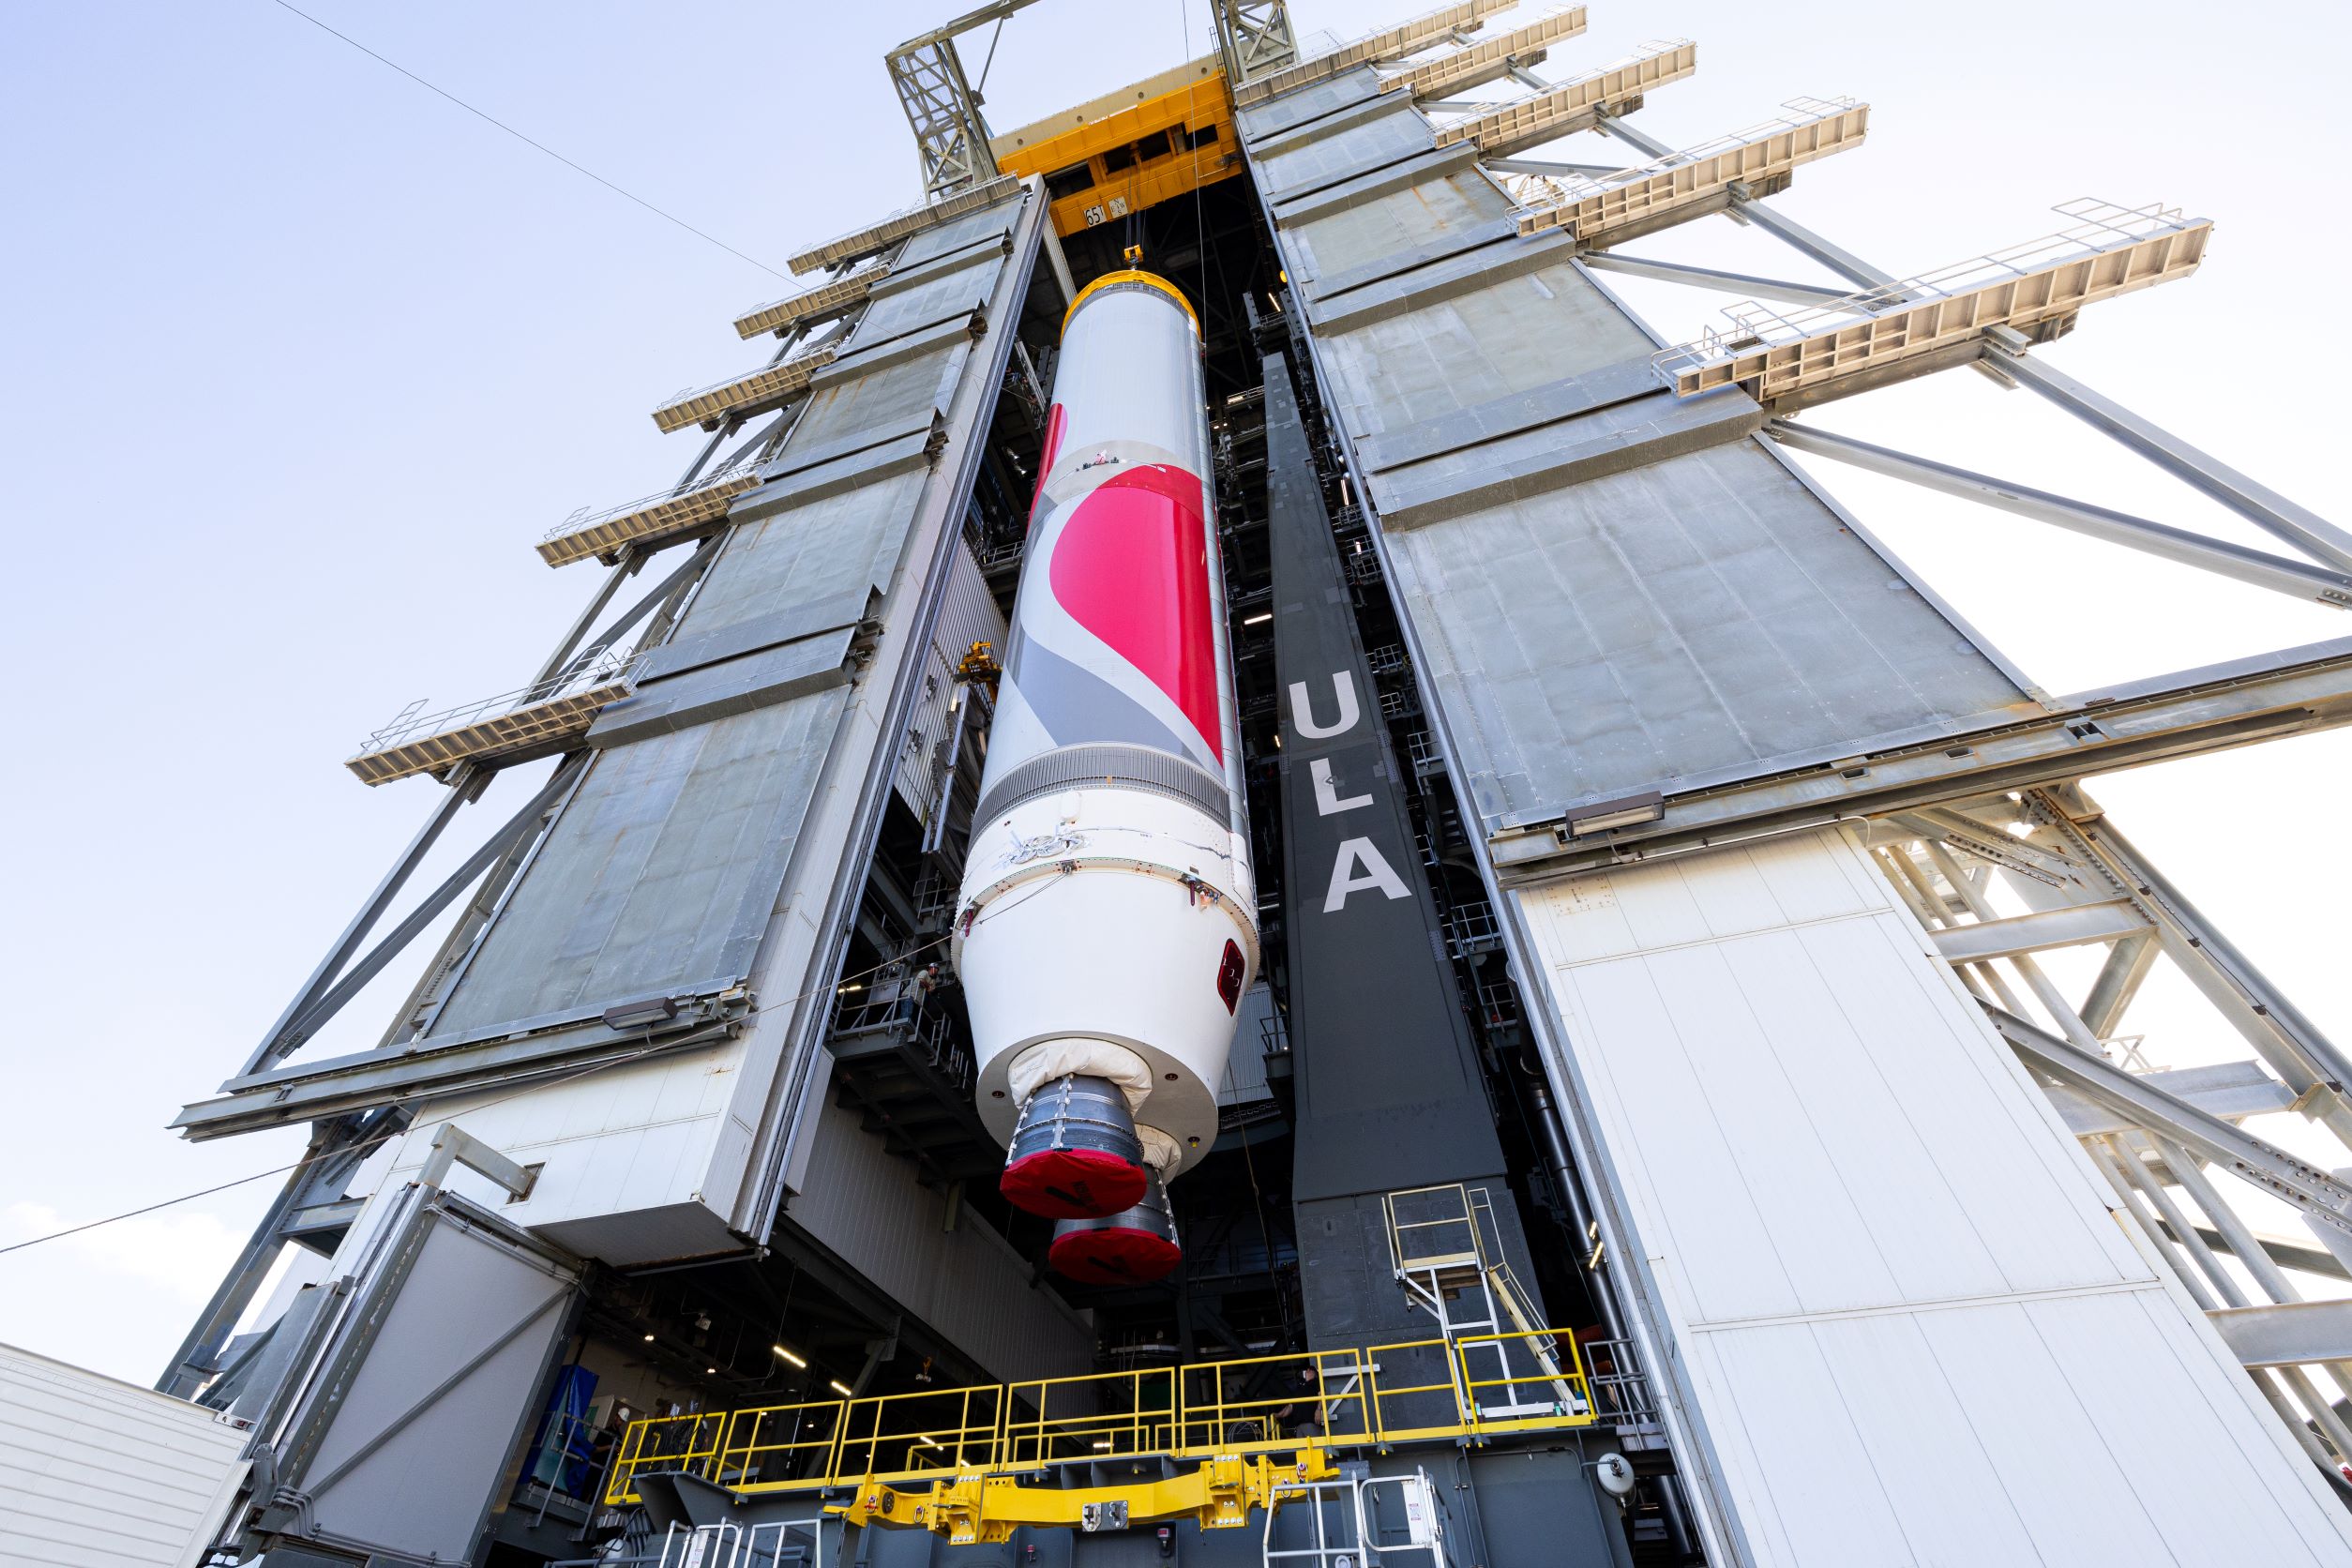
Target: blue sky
pixel 302 359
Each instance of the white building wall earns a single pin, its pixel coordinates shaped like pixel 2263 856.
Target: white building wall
pixel 96 1473
pixel 1913 1330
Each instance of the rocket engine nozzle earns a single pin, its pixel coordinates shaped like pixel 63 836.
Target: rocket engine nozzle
pixel 1134 1246
pixel 1075 1153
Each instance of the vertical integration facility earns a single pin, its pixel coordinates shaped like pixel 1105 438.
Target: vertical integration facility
pixel 1240 878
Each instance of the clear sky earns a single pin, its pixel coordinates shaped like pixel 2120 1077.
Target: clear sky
pixel 301 360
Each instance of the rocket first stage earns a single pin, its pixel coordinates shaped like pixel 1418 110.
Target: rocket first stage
pixel 1108 923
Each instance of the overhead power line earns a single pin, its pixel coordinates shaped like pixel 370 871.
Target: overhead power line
pixel 528 142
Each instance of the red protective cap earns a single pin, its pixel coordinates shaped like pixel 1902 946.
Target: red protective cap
pixel 1073 1184
pixel 1114 1255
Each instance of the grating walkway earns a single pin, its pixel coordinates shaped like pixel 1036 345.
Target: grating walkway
pixel 1806 354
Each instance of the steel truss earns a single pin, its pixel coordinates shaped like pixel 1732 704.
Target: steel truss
pixel 1998 810
pixel 2159 1134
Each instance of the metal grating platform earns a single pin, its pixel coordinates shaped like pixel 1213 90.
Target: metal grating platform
pixel 580 536
pixel 535 720
pixel 1778 356
pixel 1389 43
pixel 811 305
pixel 1597 211
pixel 767 388
pixel 1488 58
pixel 903 224
pixel 1574 105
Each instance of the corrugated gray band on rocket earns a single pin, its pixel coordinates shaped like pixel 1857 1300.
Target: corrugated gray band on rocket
pixel 1106 766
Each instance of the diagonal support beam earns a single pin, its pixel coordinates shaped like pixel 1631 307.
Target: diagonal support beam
pixel 308 1023
pixel 2319 1196
pixel 2264 507
pixel 1782 226
pixel 1742 283
pixel 2178 545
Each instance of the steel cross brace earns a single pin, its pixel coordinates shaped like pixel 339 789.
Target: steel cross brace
pixel 2317 1194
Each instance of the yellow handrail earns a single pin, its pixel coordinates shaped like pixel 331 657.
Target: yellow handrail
pixel 1344 1398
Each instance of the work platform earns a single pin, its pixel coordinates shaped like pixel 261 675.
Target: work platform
pixel 766 388
pixel 1605 209
pixel 1485 60
pixel 820 303
pixel 603 535
pixel 1787 359
pixel 1341 1400
pixel 515 726
pixel 1577 104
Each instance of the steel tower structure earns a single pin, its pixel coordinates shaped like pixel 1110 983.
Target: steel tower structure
pixel 1657 1138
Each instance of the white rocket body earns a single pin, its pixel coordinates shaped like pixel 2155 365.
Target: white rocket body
pixel 1107 924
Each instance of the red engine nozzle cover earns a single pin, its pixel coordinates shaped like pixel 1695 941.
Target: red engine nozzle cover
pixel 1113 1255
pixel 1071 1184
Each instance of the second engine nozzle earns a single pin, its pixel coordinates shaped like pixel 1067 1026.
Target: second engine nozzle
pixel 1075 1153
pixel 1133 1247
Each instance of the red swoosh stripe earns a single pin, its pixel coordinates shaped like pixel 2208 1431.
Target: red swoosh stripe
pixel 1132 567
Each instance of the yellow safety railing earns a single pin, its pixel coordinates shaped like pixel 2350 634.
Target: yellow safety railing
pixel 1419 1391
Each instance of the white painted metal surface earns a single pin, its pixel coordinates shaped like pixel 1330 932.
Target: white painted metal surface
pixel 1107 924
pixel 1911 1330
pixel 952 1270
pixel 96 1473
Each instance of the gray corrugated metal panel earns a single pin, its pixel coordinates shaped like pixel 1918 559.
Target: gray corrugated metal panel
pixel 980 250
pixel 1411 169
pixel 967 1284
pixel 835 610
pixel 958 233
pixel 69 1439
pixel 1446 279
pixel 739 685
pixel 1297 109
pixel 1367 144
pixel 1509 414
pixel 950 296
pixel 1274 144
pixel 825 550
pixel 1397 223
pixel 1695 614
pixel 1607 441
pixel 661 871
pixel 861 465
pixel 1452 242
pixel 800 457
pixel 937 350
pixel 957 327
pixel 1488 337
pixel 968 614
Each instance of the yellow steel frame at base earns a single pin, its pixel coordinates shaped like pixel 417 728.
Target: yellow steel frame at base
pixel 1468 1389
pixel 978 1507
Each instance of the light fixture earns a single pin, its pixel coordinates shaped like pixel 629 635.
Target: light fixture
pixel 1103 1446
pixel 840 1388
pixel 710 1371
pixel 929 1441
pixel 649 1339
pixel 1626 811
pixel 1259 619
pixel 779 1351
